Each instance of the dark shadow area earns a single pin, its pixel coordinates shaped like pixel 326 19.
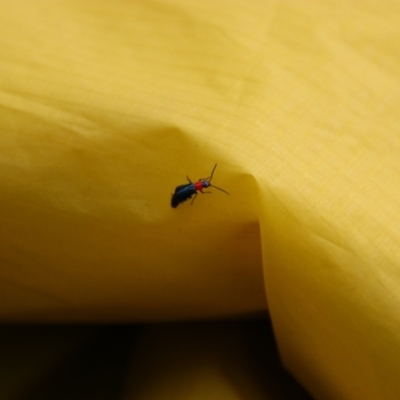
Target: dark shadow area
pixel 240 355
pixel 92 365
pixel 113 362
pixel 267 369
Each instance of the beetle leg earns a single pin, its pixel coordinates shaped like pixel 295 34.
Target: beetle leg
pixel 195 195
pixel 188 179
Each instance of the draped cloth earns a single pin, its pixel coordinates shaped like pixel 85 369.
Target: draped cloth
pixel 106 107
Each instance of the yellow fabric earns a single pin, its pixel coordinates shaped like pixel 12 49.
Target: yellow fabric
pixel 107 106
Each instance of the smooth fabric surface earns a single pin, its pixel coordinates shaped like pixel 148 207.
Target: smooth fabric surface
pixel 105 108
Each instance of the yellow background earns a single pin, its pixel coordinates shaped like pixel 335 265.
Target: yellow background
pixel 107 106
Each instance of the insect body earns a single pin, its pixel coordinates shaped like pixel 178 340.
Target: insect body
pixel 185 192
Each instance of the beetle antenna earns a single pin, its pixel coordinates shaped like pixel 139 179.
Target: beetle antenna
pixel 212 173
pixel 222 190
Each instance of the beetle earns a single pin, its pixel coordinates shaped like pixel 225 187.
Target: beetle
pixel 185 192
